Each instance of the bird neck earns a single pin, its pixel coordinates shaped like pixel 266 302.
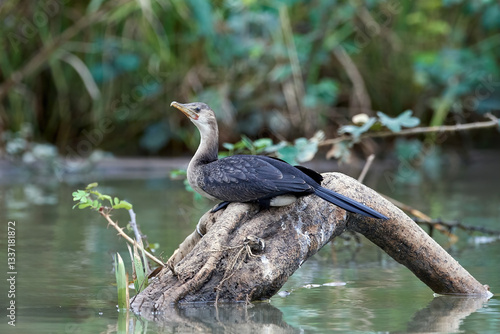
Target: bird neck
pixel 209 145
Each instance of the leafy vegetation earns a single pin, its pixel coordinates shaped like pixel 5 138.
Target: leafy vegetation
pixel 121 283
pixel 93 199
pixel 103 73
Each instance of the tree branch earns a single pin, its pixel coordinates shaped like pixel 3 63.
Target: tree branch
pixel 494 122
pixel 106 215
pixel 440 224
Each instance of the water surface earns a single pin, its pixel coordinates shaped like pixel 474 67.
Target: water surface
pixel 64 281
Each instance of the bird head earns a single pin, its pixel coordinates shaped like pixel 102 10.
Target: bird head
pixel 200 114
pixel 196 111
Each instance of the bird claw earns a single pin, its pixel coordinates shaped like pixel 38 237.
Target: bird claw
pixel 220 206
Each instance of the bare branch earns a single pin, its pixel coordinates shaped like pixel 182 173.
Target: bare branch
pixel 435 224
pixel 422 217
pixel 129 239
pixel 367 166
pixel 421 130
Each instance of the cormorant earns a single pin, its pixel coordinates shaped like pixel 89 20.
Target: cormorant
pixel 252 178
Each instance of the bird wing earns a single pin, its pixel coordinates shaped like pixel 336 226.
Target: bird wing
pixel 244 178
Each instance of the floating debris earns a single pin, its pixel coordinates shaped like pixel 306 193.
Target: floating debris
pixel 335 284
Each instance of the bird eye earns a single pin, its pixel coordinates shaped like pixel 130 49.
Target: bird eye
pixel 197 109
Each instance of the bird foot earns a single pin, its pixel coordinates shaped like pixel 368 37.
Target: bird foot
pixel 220 206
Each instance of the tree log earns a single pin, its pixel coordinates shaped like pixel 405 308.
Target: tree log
pixel 247 255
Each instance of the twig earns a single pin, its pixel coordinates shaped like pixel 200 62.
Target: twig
pixel 367 166
pixel 129 239
pixel 133 225
pixel 423 217
pixel 138 234
pixel 456 224
pixel 414 131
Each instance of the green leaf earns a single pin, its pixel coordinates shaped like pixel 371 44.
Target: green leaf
pixel 323 93
pixel 228 146
pixel 82 206
pixel 405 119
pixel 106 197
pixel 222 155
pixel 121 283
pixel 341 151
pixel 288 153
pixel 116 201
pixel 239 145
pixel 79 194
pixel 196 196
pixel 178 174
pixel 247 142
pixel 263 142
pixel 123 205
pixel 141 279
pixel 91 185
pixel 306 149
pixel 357 131
pixel 276 147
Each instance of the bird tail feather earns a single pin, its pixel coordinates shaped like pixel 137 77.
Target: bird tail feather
pixel 346 203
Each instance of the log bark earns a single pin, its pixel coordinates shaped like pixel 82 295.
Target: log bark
pixel 247 255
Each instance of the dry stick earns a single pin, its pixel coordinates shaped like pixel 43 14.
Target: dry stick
pixel 129 239
pixel 456 224
pixel 138 235
pixel 423 216
pixel 133 224
pixel 367 166
pixel 414 131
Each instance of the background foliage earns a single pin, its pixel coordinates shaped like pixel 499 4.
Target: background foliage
pixel 105 72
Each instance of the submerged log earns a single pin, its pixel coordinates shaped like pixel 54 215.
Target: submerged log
pixel 247 255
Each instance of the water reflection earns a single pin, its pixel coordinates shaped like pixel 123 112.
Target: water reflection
pixel 229 318
pixel 445 314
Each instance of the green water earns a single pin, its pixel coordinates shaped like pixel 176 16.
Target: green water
pixel 64 280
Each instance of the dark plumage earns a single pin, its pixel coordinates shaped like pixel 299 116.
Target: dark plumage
pixel 252 178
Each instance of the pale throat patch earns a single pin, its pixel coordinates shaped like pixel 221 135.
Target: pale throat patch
pixel 283 200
